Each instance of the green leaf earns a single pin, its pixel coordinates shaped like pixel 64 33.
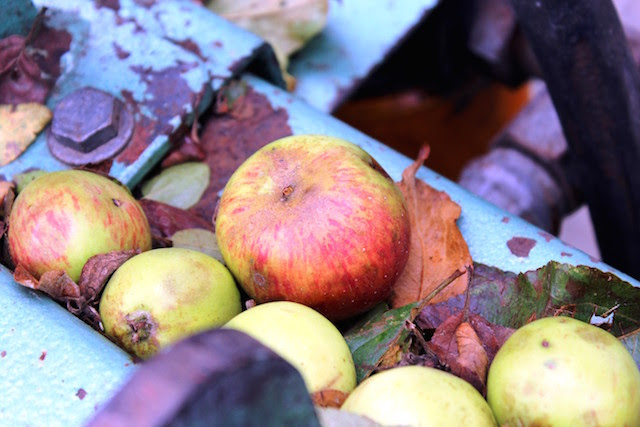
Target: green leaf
pixel 383 335
pixel 180 186
pixel 199 240
pixel 512 300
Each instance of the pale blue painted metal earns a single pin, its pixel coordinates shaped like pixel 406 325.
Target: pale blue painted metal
pixel 122 51
pixel 358 36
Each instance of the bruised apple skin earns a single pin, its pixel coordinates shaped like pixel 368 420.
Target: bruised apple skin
pixel 315 220
pixel 63 218
pixel 559 371
pixel 163 295
pixel 304 338
pixel 419 396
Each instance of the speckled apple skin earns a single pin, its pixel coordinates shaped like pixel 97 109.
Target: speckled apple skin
pixel 63 218
pixel 314 219
pixel 419 396
pixel 559 371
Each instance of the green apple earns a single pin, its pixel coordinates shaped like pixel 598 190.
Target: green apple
pixel 61 219
pixel 163 295
pixel 419 396
pixel 304 338
pixel 559 371
pixel 315 220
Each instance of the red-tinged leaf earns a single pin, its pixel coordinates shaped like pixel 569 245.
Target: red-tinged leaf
pixel 29 66
pixel 329 398
pixel 165 220
pixel 437 246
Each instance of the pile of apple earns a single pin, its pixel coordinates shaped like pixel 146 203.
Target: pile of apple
pixel 314 231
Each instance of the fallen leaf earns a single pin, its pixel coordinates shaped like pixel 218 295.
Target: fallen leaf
pixel 198 239
pixel 166 220
pixel 97 271
pixel 287 26
pixel 382 337
pixel 180 186
pixel 30 66
pixel 465 351
pixel 57 284
pixel 513 300
pixel 437 246
pixel 329 398
pixel 79 298
pixel 332 417
pixel 19 127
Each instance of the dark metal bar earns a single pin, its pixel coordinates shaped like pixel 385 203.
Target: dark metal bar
pixel 595 86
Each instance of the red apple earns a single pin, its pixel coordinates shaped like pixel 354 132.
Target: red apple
pixel 315 220
pixel 61 219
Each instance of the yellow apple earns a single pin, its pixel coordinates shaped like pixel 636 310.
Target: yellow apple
pixel 304 338
pixel 419 396
pixel 559 371
pixel 163 295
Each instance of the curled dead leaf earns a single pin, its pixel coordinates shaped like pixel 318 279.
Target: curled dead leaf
pixel 437 246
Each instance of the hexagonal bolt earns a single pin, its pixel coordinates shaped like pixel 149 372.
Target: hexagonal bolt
pixel 89 126
pixel 86 119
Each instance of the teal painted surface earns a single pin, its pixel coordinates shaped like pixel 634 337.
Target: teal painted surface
pixel 358 36
pixel 125 52
pixel 47 356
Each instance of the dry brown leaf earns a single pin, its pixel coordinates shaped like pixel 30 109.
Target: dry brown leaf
pixel 287 26
pixel 437 246
pixel 54 283
pixel 98 269
pixel 472 356
pixel 5 188
pixel 467 346
pixel 329 398
pixel 19 127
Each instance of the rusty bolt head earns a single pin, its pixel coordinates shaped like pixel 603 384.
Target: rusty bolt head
pixel 89 126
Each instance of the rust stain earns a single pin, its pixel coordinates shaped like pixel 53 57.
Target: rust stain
pixel 43 355
pixel 167 94
pixel 547 237
pixel 108 4
pixel 190 46
pixel 228 139
pixel 120 52
pixel 521 246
